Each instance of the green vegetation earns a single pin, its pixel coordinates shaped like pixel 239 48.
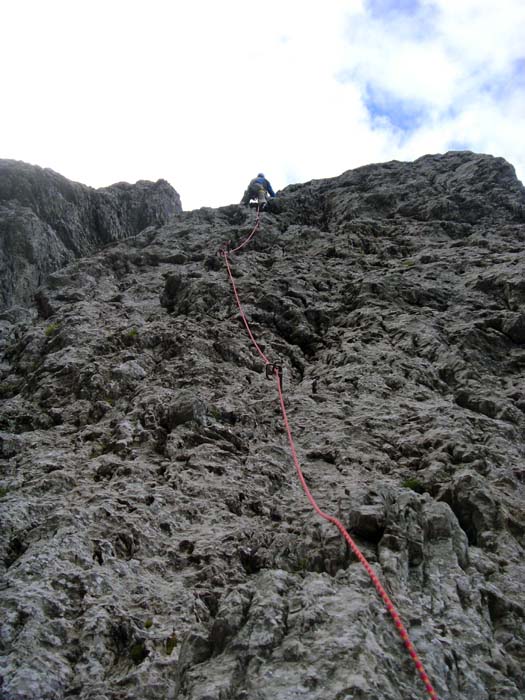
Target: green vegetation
pixel 3 491
pixel 148 623
pixel 300 564
pixel 128 337
pixel 8 389
pixel 51 329
pixel 100 448
pixel 414 484
pixel 171 643
pixel 138 652
pixel 215 413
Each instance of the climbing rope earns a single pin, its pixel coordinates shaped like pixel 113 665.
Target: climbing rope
pixel 252 234
pixel 355 549
pixel 241 311
pixel 276 371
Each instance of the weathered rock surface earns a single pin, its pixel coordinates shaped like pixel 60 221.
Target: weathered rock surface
pixel 155 541
pixel 47 221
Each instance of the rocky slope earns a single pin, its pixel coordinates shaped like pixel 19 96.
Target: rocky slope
pixel 155 541
pixel 47 221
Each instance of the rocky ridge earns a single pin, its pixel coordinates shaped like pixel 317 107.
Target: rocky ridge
pixel 155 541
pixel 46 221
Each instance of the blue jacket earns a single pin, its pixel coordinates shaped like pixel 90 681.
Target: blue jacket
pixel 265 183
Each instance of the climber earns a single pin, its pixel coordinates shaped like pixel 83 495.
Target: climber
pixel 259 189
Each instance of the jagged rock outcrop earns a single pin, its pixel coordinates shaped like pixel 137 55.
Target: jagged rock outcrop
pixel 47 221
pixel 155 541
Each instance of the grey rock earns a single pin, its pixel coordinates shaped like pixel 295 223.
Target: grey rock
pixel 47 221
pixel 155 542
pixel 514 327
pixel 129 372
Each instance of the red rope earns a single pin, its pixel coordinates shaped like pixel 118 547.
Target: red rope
pixel 330 518
pixel 243 315
pixel 252 234
pixel 355 549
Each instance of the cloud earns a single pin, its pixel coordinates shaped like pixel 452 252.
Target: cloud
pixel 465 49
pixel 207 94
pixel 439 74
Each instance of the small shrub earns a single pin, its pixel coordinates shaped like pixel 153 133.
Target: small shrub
pixel 148 623
pixel 51 329
pixel 100 448
pixel 138 653
pixel 171 643
pixel 215 413
pixel 3 491
pixel 129 337
pixel 413 484
pixel 8 389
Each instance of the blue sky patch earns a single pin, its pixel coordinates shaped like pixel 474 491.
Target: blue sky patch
pixel 404 115
pixel 408 17
pixel 459 145
pixel 380 8
pixel 518 72
pixel 504 84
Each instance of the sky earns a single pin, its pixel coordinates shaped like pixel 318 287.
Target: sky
pixel 208 93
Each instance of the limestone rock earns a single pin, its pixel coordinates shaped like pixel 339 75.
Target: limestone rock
pixel 47 221
pixel 155 542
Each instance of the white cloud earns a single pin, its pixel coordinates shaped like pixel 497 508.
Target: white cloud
pixel 206 94
pixel 459 72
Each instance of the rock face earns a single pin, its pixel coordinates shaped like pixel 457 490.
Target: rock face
pixel 47 221
pixel 155 540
